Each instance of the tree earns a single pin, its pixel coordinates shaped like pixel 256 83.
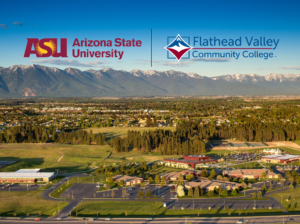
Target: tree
pixel 143 184
pixel 180 179
pixel 259 195
pixel 220 190
pixel 264 188
pixel 244 185
pixel 189 177
pixel 294 173
pixel 196 192
pixel 121 183
pixel 263 175
pixel 219 177
pixel 225 193
pixel 162 183
pixel 148 194
pixel 190 192
pixel 212 173
pixel 180 191
pixel 254 196
pixel 204 173
pixel 157 179
pixel 164 179
pixel 211 193
pixel 150 179
pixel 234 192
pixel 288 174
pixel 110 180
pixel 141 194
pixel 279 176
pixel 291 187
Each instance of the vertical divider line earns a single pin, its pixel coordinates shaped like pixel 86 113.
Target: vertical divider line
pixel 151 47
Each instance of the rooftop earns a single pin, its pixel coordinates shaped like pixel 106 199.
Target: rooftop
pixel 28 170
pixel 282 157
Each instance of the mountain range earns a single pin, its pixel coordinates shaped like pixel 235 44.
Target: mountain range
pixel 36 80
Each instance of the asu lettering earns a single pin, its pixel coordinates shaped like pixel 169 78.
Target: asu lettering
pixel 46 47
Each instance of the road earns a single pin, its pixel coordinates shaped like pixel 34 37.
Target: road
pixel 223 220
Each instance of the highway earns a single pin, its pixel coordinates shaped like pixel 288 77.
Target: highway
pixel 223 220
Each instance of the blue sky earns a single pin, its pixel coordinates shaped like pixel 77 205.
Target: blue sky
pixel 105 20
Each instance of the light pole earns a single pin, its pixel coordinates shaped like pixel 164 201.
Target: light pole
pixel 193 203
pixel 281 198
pixel 72 195
pixel 57 171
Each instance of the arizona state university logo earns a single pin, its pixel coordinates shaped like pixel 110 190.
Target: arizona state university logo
pixel 46 47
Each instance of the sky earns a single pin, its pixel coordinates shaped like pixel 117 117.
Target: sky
pixel 108 20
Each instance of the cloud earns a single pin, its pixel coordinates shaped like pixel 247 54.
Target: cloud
pixel 211 59
pixel 291 67
pixel 3 26
pixel 18 23
pixel 177 64
pixel 71 62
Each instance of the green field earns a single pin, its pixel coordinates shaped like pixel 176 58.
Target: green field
pixel 289 199
pixel 45 156
pixel 255 165
pixel 111 132
pixel 144 208
pixel 27 203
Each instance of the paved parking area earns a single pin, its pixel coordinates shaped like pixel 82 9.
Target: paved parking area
pixel 214 204
pixel 19 187
pixel 132 192
pixel 80 191
pixel 275 184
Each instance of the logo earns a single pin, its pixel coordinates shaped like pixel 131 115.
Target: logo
pixel 46 47
pixel 178 47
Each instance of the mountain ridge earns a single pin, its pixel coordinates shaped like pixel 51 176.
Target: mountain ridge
pixel 37 80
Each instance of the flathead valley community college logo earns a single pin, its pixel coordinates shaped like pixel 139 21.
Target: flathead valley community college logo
pixel 178 47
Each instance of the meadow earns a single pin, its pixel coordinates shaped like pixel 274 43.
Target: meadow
pixel 28 203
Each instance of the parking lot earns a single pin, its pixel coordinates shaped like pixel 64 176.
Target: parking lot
pixel 80 191
pixel 245 157
pixel 18 187
pixel 221 203
pixel 132 192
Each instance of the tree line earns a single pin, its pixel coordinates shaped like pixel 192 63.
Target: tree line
pixel 39 134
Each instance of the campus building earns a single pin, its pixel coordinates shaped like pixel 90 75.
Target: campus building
pixel 209 185
pixel 26 176
pixel 128 180
pixel 190 161
pixel 272 151
pixel 284 159
pixel 249 173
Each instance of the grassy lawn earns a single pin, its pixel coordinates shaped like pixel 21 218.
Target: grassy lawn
pixel 141 208
pixel 111 132
pixel 38 155
pixel 297 142
pixel 27 203
pixel 255 165
pixel 136 156
pixel 289 199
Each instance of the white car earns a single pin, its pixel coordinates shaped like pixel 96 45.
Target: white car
pixel 241 221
